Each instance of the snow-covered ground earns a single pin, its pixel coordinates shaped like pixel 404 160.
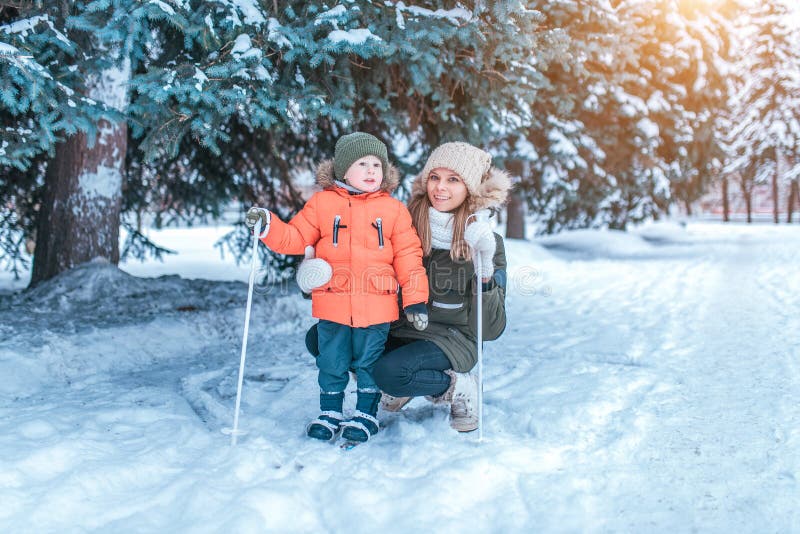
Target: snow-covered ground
pixel 647 382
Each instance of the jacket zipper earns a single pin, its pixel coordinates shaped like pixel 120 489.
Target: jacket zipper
pixel 378 224
pixel 336 222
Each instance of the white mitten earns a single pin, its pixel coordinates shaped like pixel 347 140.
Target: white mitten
pixel 480 238
pixel 313 272
pixel 486 268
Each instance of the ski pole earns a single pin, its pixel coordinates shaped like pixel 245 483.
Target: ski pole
pixel 480 216
pixel 235 432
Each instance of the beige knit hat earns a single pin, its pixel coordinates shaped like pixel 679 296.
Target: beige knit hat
pixel 488 186
pixel 471 163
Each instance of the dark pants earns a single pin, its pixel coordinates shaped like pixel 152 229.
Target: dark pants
pixel 406 368
pixel 343 347
pixel 412 370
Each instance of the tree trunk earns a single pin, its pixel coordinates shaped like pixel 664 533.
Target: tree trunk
pixel 775 208
pixel 688 205
pixel 746 186
pixel 80 214
pixel 794 196
pixel 796 193
pixel 515 222
pixel 726 206
pixel 748 202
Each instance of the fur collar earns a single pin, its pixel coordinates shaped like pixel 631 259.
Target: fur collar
pixel 326 177
pixel 492 193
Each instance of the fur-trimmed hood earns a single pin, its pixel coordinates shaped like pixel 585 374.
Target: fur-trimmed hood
pixel 326 177
pixel 492 192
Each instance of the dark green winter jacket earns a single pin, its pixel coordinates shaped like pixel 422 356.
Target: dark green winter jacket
pixel 452 307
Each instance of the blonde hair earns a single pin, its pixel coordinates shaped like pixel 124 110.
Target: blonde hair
pixel 418 207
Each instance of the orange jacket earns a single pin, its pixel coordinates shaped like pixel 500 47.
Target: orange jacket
pixel 367 262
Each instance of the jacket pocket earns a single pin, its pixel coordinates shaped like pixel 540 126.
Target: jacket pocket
pixel 339 282
pixel 449 308
pixel 449 293
pixel 382 284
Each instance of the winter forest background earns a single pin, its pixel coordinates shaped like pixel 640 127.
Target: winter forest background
pixel 648 379
pixel 124 113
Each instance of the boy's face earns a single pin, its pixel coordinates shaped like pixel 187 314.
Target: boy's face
pixel 365 174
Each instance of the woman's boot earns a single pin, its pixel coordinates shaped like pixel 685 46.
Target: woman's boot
pixel 462 395
pixel 391 403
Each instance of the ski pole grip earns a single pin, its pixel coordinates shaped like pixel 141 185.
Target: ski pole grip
pixel 258 230
pixel 483 215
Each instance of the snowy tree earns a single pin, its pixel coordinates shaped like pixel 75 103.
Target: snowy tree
pixel 552 152
pixel 764 123
pixel 414 74
pixel 114 110
pixel 701 36
pixel 625 126
pixel 728 60
pixel 105 56
pixel 227 99
pixel 34 104
pixel 65 74
pixel 71 64
pixel 592 151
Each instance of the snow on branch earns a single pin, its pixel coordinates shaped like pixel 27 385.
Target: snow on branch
pixel 455 16
pixel 24 26
pixel 353 37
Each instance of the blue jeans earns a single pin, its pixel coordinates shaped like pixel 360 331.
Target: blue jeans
pixel 412 370
pixel 342 347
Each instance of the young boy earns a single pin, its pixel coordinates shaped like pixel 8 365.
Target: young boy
pixel 365 248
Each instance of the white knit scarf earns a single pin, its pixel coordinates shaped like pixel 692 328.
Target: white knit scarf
pixel 441 228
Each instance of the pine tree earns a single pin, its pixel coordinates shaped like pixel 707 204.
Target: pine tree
pixel 36 102
pixel 552 151
pixel 228 100
pixel 70 64
pixel 702 37
pixel 765 126
pixel 591 150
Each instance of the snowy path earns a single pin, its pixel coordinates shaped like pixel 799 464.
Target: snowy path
pixel 696 409
pixel 638 388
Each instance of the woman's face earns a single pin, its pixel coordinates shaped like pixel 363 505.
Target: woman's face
pixel 446 189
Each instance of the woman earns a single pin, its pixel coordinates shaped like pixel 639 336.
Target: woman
pixel 457 181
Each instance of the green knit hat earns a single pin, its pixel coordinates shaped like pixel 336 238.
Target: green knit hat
pixel 354 146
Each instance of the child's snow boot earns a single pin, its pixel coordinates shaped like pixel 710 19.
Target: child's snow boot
pixel 326 427
pixel 363 425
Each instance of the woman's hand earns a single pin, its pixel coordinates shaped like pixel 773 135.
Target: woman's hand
pixel 480 237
